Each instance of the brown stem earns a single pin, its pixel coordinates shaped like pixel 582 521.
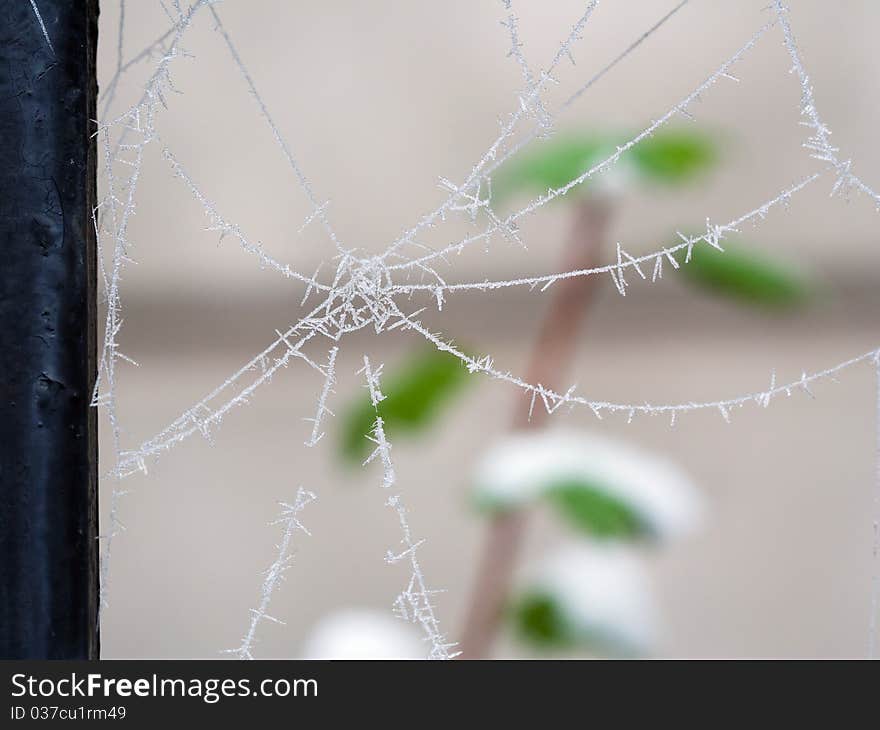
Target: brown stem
pixel 551 357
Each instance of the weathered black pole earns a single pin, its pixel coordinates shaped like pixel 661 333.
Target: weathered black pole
pixel 48 431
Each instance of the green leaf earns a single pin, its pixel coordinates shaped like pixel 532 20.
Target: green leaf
pixel 595 511
pixel 674 156
pixel 744 274
pixel 588 507
pixel 414 394
pixel 670 156
pixel 538 620
pixel 550 164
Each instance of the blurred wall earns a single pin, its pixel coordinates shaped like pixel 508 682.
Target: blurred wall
pixel 377 100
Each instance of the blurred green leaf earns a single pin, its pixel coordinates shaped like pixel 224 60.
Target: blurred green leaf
pixel 414 394
pixel 670 156
pixel 595 511
pixel 674 156
pixel 549 164
pixel 588 507
pixel 538 620
pixel 744 274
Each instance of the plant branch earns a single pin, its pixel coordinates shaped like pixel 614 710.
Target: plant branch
pixel 551 357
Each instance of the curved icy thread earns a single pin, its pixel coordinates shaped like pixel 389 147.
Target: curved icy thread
pixel 225 228
pixel 552 400
pixel 820 143
pixel 713 235
pixel 415 602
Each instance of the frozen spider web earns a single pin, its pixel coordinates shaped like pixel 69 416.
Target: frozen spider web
pixel 384 292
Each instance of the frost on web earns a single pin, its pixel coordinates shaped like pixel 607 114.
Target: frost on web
pixel 416 602
pixel 374 292
pixel 42 25
pixel 274 574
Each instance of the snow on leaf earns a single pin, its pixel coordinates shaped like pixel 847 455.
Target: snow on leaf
pixel 586 596
pixel 605 487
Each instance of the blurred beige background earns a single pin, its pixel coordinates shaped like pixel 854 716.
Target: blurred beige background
pixel 380 98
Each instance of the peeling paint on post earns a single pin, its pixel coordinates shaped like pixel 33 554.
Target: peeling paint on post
pixel 48 431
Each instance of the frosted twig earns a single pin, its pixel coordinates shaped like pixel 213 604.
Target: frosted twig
pixel 415 602
pixel 275 574
pixel 42 26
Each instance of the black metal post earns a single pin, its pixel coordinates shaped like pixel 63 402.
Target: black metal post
pixel 48 431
